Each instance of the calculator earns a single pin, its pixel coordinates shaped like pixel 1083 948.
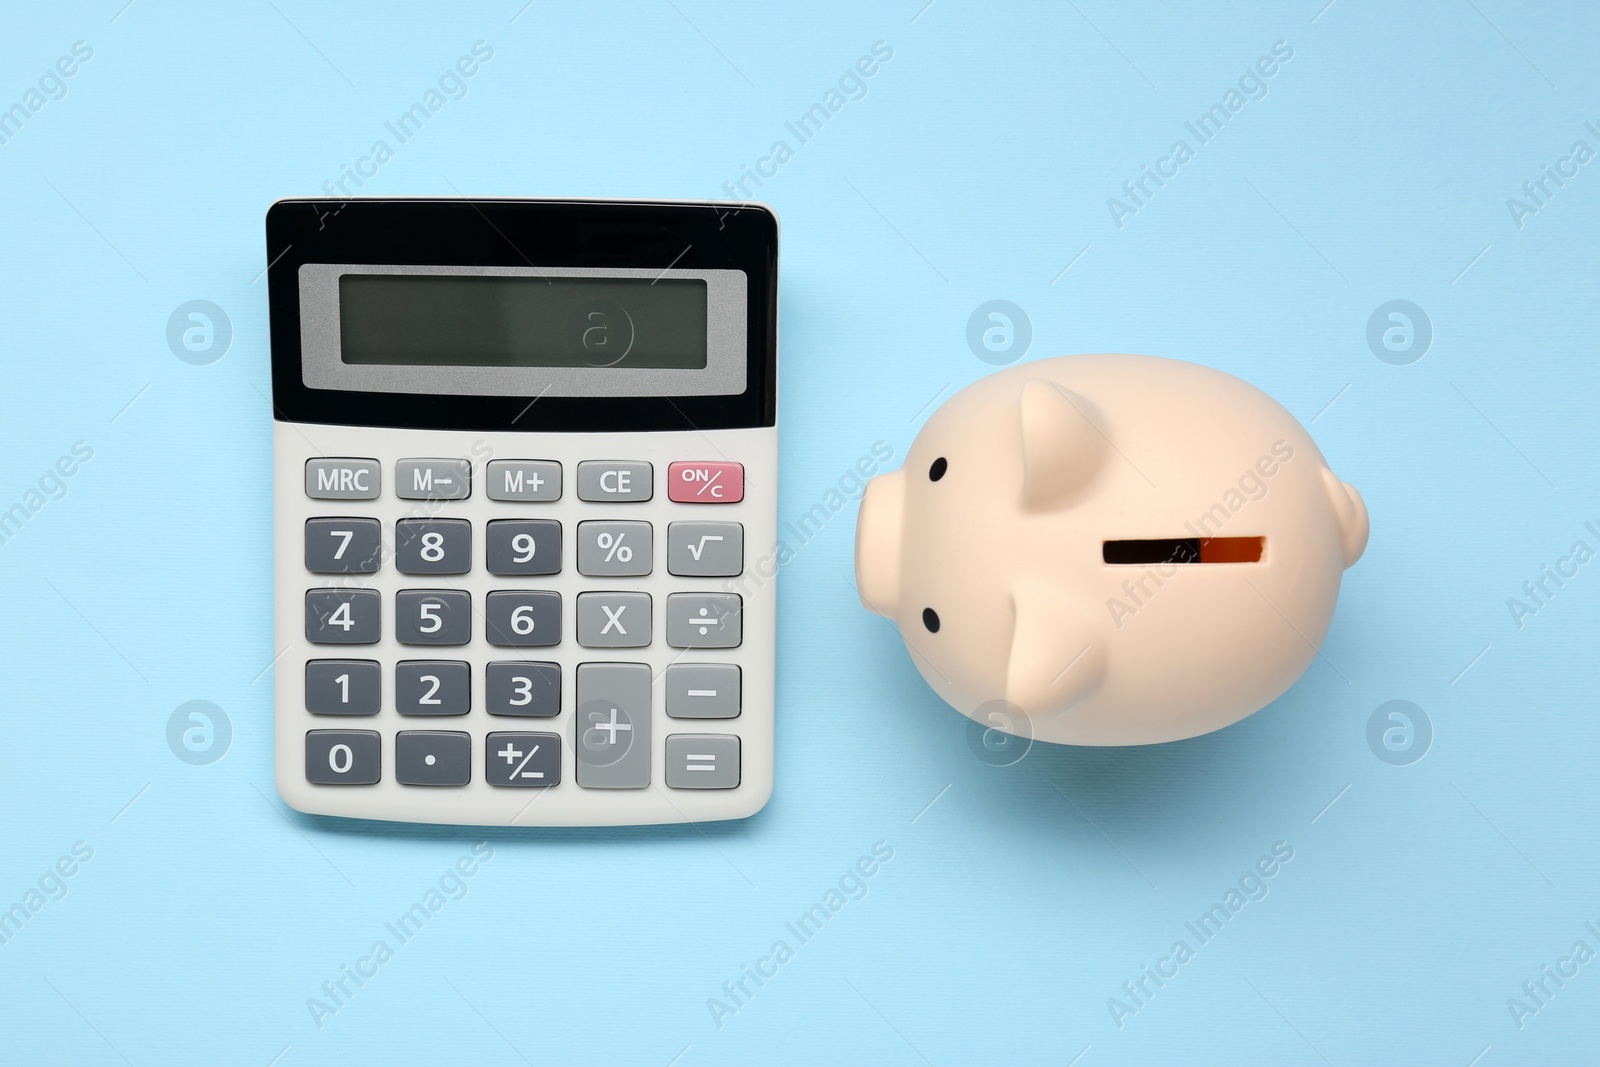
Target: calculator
pixel 525 459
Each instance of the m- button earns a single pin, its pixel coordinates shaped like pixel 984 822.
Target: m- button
pixel 613 480
pixel 342 479
pixel 432 479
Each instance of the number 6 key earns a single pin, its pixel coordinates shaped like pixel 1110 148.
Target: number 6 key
pixel 523 619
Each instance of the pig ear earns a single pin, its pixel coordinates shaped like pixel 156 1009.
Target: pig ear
pixel 1062 448
pixel 1351 512
pixel 1057 656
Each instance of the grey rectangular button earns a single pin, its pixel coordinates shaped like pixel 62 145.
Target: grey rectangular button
pixel 432 617
pixel 433 546
pixel 610 481
pixel 343 546
pixel 523 546
pixel 518 687
pixel 704 620
pixel 705 549
pixel 433 479
pixel 432 757
pixel 525 760
pixel 531 480
pixel 432 687
pixel 520 618
pixel 343 686
pixel 702 761
pixel 614 549
pixel 342 757
pixel 703 690
pixel 343 616
pixel 612 727
pixel 343 479
pixel 613 620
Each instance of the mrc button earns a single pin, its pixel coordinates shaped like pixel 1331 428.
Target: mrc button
pixel 719 482
pixel 612 480
pixel 342 479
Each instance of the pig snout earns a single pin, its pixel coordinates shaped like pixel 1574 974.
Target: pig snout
pixel 879 529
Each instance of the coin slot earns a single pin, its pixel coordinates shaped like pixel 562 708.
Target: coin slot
pixel 1144 552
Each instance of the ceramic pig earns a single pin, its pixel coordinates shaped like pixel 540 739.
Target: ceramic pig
pixel 1123 549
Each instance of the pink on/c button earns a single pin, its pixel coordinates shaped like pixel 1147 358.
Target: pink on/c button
pixel 720 482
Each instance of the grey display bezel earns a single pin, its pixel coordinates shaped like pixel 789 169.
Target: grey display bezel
pixel 724 373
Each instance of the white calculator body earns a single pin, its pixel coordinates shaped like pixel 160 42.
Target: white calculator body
pixel 525 489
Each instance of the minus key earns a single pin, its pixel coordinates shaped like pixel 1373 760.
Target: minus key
pixel 703 690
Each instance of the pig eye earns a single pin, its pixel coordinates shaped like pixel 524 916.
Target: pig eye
pixel 936 472
pixel 930 618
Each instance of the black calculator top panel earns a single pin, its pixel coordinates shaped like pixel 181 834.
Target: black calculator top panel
pixel 519 234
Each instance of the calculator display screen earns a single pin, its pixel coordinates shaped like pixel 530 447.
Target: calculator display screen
pixel 420 320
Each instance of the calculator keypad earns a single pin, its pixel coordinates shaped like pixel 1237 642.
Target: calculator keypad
pixel 610 729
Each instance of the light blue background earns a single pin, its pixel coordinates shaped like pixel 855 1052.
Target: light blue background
pixel 977 167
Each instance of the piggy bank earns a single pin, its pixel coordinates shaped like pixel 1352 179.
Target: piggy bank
pixel 1109 550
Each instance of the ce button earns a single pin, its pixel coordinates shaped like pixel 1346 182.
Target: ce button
pixel 614 480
